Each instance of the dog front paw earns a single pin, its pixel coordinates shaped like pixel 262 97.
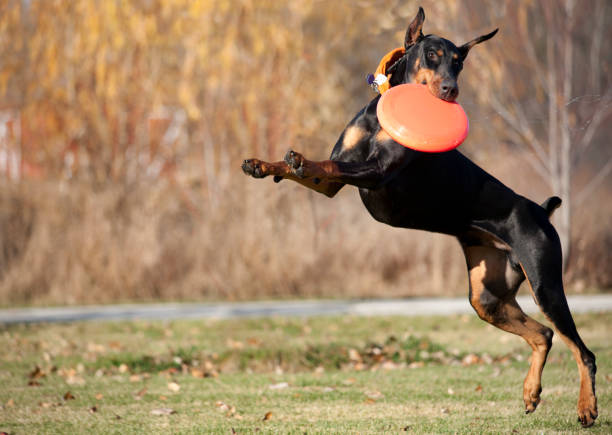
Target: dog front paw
pixel 255 168
pixel 295 161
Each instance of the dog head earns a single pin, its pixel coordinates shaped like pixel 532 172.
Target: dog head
pixel 432 60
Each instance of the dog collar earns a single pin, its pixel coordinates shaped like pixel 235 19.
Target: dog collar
pixel 379 81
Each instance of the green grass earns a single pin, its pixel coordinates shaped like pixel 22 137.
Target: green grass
pixel 326 374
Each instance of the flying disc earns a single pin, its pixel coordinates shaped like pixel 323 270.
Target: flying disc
pixel 412 116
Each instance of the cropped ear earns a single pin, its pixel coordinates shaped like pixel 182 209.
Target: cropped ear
pixel 414 33
pixel 465 48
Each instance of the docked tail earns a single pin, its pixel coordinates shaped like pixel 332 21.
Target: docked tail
pixel 551 204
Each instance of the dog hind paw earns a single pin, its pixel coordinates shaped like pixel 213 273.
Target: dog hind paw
pixel 587 415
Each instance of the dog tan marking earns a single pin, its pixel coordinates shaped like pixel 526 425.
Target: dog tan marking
pixel 429 77
pixel 352 136
pixel 382 136
pixel 493 285
pixel 455 56
pixel 440 53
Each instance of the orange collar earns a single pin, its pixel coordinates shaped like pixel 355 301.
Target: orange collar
pixel 381 78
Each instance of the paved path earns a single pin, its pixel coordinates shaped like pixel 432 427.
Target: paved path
pixel 404 307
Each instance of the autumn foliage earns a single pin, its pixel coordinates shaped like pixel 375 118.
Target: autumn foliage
pixel 123 126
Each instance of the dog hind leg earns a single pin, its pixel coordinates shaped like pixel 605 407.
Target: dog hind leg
pixel 493 286
pixel 544 275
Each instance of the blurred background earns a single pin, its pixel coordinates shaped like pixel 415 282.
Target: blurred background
pixel 123 125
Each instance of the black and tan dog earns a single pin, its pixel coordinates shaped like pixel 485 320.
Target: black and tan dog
pixel 505 237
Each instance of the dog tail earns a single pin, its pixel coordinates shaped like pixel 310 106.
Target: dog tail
pixel 551 204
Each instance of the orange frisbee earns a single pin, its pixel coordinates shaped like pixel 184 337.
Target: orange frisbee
pixel 412 116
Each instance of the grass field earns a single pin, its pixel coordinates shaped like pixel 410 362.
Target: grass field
pixel 314 375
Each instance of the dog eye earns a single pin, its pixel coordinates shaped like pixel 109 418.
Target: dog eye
pixel 431 54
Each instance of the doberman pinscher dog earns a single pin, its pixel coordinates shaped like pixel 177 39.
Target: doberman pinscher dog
pixel 506 237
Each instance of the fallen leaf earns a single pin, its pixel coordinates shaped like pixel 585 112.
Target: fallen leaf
pixel 444 411
pixel 268 416
pixel 93 409
pixel 174 387
pixel 163 411
pixel 99 396
pixel 75 380
pixel 96 348
pixel 69 396
pixel 10 403
pixel 349 381
pixel 139 395
pixel 470 359
pixel 135 378
pixel 34 384
pixel 36 373
pixel 232 344
pixel 451 391
pixel 162 397
pixel 123 368
pixel 253 341
pixel 222 406
pixel 114 345
pixel 479 388
pixel 374 395
pixel 197 373
pixel 354 355
pixel 279 386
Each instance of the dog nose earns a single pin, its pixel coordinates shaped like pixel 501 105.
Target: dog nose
pixel 449 90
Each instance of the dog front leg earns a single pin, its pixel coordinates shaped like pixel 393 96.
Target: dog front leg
pixel 281 170
pixel 370 174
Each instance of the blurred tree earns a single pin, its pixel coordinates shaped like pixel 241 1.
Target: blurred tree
pixel 553 91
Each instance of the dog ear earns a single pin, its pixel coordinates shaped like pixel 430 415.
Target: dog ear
pixel 414 33
pixel 465 48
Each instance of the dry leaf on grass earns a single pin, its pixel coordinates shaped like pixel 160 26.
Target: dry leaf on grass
pixel 349 381
pixel 163 411
pixel 139 395
pixel 279 386
pixel 135 378
pixel 37 373
pixel 479 388
pixel 268 416
pixel 93 409
pixel 230 411
pixel 374 395
pixel 69 396
pixel 174 387
pixel 99 396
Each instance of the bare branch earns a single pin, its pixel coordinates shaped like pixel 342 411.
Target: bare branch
pixel 593 184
